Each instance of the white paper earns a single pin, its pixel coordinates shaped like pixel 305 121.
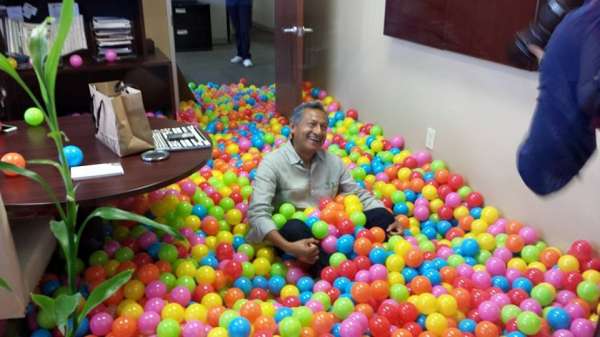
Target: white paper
pixel 29 10
pixel 15 12
pixel 96 171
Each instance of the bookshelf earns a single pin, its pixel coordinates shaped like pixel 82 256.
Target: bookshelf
pixel 150 70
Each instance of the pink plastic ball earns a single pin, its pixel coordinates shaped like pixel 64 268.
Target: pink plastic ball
pixel 555 277
pixel 111 55
pixel 481 279
pixel 397 141
pixel 444 252
pixel 188 188
pixel 495 266
pixel 421 202
pixel 75 61
pixel 156 289
pixel 452 199
pixel 156 195
pixel 504 253
pixel 147 322
pixel 329 244
pixel 437 291
pixel 314 306
pixel 378 272
pixel 531 305
pixel 501 299
pixel 294 274
pixel 464 270
pixel 575 310
pixel 423 157
pixel 513 274
pixel 111 247
pixel 181 295
pixel 529 235
pixel 421 213
pixel 101 324
pixel 360 318
pixel 362 276
pixel 321 285
pixel 193 329
pixel 381 176
pixel 565 296
pixel 489 311
pixel 147 239
pixel 582 327
pixel 562 333
pixel 155 304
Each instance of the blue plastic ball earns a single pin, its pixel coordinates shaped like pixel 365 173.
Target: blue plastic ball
pixel 558 318
pixel 467 325
pixel 239 327
pixel 73 155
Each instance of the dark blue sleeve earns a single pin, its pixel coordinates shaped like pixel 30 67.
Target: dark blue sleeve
pixel 588 87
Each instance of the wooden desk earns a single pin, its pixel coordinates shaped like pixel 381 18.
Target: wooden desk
pixel 139 177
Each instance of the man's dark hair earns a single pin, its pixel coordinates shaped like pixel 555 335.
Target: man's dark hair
pixel 298 111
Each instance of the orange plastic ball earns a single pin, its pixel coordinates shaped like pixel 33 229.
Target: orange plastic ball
pixel 213 315
pixel 380 290
pixel 515 243
pixel 251 310
pixel 361 292
pixel 487 329
pixel 322 322
pixel 147 273
pixel 124 327
pixel 420 285
pixel 365 309
pixel 402 333
pixel 307 332
pixel 15 159
pixel 232 295
pixel 362 246
pixel 414 258
pixel 265 323
pixel 378 234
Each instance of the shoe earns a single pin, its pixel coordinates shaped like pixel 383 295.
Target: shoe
pixel 247 63
pixel 236 59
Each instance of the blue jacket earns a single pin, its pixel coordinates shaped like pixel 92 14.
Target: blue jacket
pixel 562 136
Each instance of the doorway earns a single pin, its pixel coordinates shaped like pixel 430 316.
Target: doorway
pixel 210 62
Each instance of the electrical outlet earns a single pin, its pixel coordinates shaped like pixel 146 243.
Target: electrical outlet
pixel 430 138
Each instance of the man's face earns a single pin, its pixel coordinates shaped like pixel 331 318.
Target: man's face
pixel 309 134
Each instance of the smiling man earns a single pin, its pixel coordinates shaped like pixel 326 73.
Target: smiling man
pixel 302 173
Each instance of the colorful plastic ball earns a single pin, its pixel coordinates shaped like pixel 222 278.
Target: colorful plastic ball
pixel 33 116
pixel 111 55
pixel 125 327
pixel 589 291
pixel 101 324
pixel 148 322
pixel 168 328
pixel 290 327
pixel 15 159
pixel 558 318
pixel 73 155
pixel 75 61
pixel 529 323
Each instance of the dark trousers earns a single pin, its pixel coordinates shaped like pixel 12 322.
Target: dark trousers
pixel 241 18
pixel 295 230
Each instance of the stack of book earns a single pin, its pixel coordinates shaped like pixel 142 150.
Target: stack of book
pixel 15 33
pixel 113 33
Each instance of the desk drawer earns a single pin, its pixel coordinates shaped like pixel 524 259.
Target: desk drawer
pixel 192 39
pixel 191 14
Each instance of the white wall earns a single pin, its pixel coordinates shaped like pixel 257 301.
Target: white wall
pixel 263 14
pixel 218 21
pixel 481 111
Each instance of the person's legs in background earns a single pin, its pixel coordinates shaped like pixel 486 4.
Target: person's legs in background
pixel 295 230
pixel 245 24
pixel 234 16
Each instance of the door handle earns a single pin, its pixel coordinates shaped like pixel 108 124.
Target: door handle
pixel 298 31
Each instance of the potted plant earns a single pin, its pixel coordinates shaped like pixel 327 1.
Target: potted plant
pixel 67 309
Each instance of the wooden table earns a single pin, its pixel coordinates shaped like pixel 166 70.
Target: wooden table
pixel 139 177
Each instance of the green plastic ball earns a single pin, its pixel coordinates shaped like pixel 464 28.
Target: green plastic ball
pixel 168 328
pixel 46 320
pixel 543 293
pixel 98 258
pixel 124 254
pixel 342 307
pixel 34 116
pixel 168 252
pixel 509 312
pixel 290 327
pixel 399 292
pixel 336 259
pixel 279 220
pixel 588 291
pixel 287 210
pixel 320 229
pixel 168 279
pixel 529 323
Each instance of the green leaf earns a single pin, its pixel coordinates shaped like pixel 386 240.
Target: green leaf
pixel 111 213
pixel 8 69
pixel 4 284
pixel 104 291
pixel 64 26
pixel 59 229
pixel 47 304
pixel 38 179
pixel 38 50
pixel 64 306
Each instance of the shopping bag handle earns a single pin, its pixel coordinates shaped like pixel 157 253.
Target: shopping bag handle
pixel 96 120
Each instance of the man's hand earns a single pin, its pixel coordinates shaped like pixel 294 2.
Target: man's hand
pixel 305 250
pixel 395 228
pixel 537 51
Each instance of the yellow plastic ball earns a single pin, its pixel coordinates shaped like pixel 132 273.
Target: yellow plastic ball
pixel 262 266
pixel 241 229
pixel 436 323
pixel 133 310
pixel 427 303
pixel 489 214
pixel 111 267
pixel 289 291
pixel 394 263
pixel 205 275
pixel 395 278
pixel 266 252
pixel 517 263
pixel 212 300
pixel 174 311
pixel 436 204
pixel 134 290
pixel 591 275
pixel 538 265
pixel 13 63
pixel 218 332
pixel 486 241
pixel 211 242
pixel 447 305
pixel 568 263
pixel 429 192
pixel 479 226
pixel 199 251
pixel 267 309
pixel 192 222
pixel 196 312
pixel 185 268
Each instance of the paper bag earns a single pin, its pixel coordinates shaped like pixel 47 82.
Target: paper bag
pixel 120 118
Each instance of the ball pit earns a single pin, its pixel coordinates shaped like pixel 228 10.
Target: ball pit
pixel 460 268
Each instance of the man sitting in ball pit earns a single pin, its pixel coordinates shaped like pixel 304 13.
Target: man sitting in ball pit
pixel 302 173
